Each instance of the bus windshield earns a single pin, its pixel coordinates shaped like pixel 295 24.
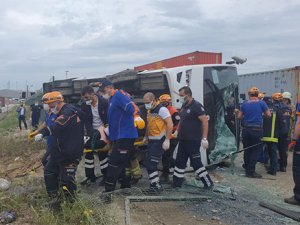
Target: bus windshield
pixel 220 100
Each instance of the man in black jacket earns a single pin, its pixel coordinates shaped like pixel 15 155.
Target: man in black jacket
pixel 68 132
pixel 95 108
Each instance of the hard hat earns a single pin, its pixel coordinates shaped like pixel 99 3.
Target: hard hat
pixel 253 91
pixel 165 98
pixel 45 97
pixel 53 97
pixel 287 95
pixel 277 96
pixel 261 95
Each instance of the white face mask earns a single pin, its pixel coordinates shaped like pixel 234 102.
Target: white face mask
pixel 46 107
pixel 181 99
pixel 148 106
pixel 54 110
pixel 106 96
pixel 88 102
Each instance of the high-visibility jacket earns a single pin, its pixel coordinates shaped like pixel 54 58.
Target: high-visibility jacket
pixel 272 126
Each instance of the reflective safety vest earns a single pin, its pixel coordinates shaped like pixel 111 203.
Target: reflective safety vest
pixel 270 131
pixel 156 125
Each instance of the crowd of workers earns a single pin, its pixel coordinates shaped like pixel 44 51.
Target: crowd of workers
pixel 110 125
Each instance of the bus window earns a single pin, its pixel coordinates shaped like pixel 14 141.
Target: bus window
pixel 220 87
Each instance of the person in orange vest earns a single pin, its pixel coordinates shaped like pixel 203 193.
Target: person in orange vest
pixel 168 161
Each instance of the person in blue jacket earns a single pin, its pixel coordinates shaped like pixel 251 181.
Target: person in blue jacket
pixel 122 133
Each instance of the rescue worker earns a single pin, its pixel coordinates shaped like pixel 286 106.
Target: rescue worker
pixel 287 99
pixel 167 157
pixel 122 133
pixel 272 127
pixel 68 132
pixel 295 200
pixel 283 141
pixel 192 134
pixel 251 114
pixel 35 114
pixel 261 95
pixel 50 118
pixel 95 108
pixel 159 132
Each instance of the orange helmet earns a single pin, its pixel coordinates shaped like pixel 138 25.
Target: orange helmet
pixel 165 98
pixel 253 91
pixel 45 97
pixel 261 95
pixel 277 96
pixel 53 97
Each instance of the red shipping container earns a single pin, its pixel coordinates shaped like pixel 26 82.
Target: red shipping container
pixel 193 58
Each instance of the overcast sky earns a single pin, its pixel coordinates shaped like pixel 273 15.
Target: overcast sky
pixel 39 39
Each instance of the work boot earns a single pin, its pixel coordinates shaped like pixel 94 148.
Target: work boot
pixel 54 202
pixel 135 179
pixel 271 172
pixel 283 169
pixel 292 201
pixel 155 188
pixel 164 178
pixel 106 197
pixel 102 182
pixel 88 181
pixel 254 175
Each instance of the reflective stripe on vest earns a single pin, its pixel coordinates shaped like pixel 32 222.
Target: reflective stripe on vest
pixel 272 138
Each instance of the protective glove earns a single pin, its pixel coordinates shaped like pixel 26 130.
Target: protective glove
pixel 86 138
pixel 139 123
pixel 166 144
pixel 204 143
pixel 292 144
pixel 32 135
pixel 38 137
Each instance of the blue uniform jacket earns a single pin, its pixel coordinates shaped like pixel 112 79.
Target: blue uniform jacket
pixel 121 112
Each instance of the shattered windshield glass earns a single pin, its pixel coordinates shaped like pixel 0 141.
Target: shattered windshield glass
pixel 220 100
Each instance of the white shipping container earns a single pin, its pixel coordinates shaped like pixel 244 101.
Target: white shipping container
pixel 273 81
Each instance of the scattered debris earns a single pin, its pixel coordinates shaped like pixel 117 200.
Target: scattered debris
pixel 4 184
pixel 7 217
pixel 216 218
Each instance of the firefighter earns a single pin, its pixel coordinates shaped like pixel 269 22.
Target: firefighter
pixel 272 127
pixel 50 118
pixel 167 158
pixel 122 133
pixel 192 134
pixel 251 114
pixel 95 108
pixel 68 132
pixel 295 143
pixel 159 133
pixel 283 141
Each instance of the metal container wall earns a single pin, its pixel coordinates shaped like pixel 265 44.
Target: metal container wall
pixel 272 81
pixel 193 58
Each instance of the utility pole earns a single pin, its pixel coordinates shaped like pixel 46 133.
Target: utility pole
pixel 67 74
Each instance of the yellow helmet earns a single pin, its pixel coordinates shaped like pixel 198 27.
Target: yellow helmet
pixel 253 91
pixel 165 98
pixel 53 97
pixel 277 96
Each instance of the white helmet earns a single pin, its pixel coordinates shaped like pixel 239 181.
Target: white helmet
pixel 287 95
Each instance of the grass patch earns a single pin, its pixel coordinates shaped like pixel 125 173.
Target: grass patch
pixel 9 121
pixel 31 207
